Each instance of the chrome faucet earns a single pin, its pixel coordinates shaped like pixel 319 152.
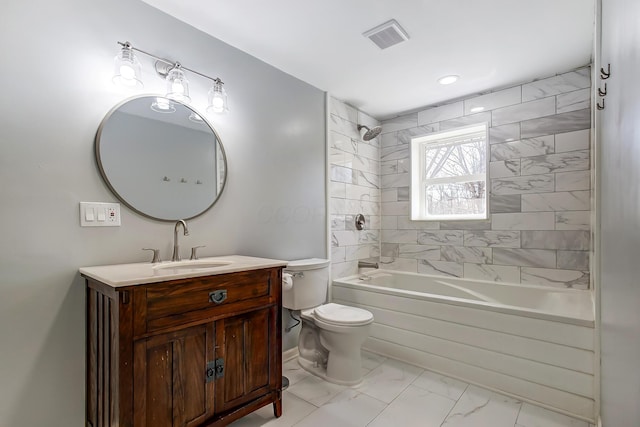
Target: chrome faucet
pixel 176 246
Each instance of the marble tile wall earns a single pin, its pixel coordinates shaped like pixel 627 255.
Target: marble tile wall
pixel 540 191
pixel 354 189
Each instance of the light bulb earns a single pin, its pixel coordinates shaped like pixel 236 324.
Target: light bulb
pixel 127 72
pixel 177 87
pixel 177 84
pixel 218 103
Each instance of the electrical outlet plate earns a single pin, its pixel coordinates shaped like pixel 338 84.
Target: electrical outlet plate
pixel 98 214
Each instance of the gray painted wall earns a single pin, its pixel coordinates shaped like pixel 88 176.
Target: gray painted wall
pixel 619 194
pixel 56 84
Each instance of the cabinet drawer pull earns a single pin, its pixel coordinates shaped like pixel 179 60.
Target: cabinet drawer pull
pixel 218 296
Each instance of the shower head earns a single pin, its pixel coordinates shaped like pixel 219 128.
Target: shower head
pixel 370 133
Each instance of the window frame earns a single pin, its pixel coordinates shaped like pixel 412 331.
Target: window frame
pixel 418 147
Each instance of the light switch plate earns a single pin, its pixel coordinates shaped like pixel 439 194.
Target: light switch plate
pixel 98 214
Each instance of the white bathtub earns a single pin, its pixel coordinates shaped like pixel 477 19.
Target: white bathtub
pixel 534 343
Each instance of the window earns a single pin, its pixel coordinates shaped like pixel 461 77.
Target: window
pixel 449 175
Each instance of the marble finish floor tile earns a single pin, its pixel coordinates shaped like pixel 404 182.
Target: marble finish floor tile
pixel 292 370
pixel 315 390
pixel 371 361
pixel 478 407
pixel 535 416
pixel 294 409
pixel 388 380
pixel 348 409
pixel 440 384
pixel 415 407
pixel 398 394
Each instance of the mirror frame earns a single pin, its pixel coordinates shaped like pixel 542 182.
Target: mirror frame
pixel 113 190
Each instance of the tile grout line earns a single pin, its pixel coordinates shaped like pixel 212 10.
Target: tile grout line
pixel 515 423
pixel 454 405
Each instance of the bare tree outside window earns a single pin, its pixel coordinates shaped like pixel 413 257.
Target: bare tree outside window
pixel 450 173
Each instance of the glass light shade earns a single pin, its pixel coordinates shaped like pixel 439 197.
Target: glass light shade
pixel 218 102
pixel 163 105
pixel 127 69
pixel 177 85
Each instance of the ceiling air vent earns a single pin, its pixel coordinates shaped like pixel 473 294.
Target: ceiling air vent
pixel 388 34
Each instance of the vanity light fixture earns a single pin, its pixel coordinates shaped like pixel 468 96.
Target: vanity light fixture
pixel 128 71
pixel 218 98
pixel 127 68
pixel 476 109
pixel 447 80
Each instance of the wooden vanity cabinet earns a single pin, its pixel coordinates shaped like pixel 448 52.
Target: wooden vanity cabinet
pixel 202 351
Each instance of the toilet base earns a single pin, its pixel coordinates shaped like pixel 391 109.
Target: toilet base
pixel 321 372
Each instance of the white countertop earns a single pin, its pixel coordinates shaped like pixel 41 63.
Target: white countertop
pixel 145 272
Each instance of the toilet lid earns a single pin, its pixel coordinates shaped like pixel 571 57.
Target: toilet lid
pixel 343 315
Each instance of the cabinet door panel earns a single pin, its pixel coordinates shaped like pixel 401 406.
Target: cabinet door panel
pixel 158 388
pixel 188 378
pixel 234 359
pixel 257 348
pixel 170 389
pixel 244 344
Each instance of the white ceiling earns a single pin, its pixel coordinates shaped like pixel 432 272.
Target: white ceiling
pixel 488 43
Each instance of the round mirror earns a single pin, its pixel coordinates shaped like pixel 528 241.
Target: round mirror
pixel 161 158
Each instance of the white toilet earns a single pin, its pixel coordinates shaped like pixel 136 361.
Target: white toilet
pixel 332 334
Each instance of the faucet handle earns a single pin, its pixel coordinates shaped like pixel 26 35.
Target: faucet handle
pixel 156 254
pixel 194 249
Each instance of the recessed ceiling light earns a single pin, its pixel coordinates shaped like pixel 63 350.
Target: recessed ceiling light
pixel 476 109
pixel 447 80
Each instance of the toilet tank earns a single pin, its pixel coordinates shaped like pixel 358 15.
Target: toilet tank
pixel 310 284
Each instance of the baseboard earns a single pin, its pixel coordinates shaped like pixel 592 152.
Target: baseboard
pixel 290 354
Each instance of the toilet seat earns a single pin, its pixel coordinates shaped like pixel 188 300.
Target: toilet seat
pixel 342 315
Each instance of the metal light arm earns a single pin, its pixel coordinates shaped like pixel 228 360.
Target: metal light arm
pixel 163 66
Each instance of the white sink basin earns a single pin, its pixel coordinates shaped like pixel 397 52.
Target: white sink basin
pixel 191 265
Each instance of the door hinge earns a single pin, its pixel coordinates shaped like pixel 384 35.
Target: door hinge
pixel 214 370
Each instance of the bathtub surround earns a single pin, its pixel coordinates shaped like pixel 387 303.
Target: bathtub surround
pixel 540 199
pixel 354 189
pixel 540 192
